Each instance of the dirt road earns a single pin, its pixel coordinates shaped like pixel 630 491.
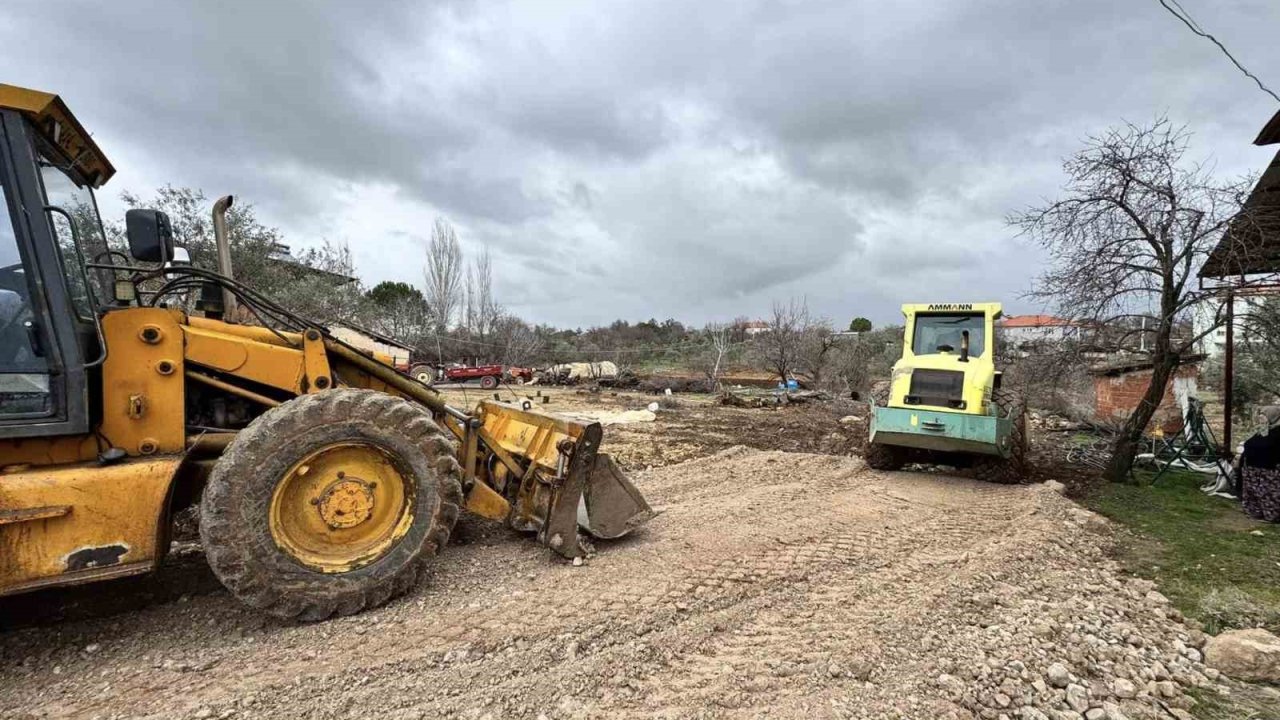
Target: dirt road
pixel 776 584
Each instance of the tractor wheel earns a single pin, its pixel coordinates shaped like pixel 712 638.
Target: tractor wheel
pixel 488 382
pixel 330 503
pixel 423 373
pixel 1013 469
pixel 878 456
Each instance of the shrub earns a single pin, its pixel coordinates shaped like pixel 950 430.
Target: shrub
pixel 1230 607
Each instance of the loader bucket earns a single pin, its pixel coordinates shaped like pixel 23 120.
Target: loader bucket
pixel 566 487
pixel 596 497
pixel 611 506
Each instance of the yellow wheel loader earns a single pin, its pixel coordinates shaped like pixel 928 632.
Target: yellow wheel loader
pixel 325 479
pixel 943 403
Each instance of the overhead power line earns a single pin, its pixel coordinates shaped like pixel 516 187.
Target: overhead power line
pixel 1194 27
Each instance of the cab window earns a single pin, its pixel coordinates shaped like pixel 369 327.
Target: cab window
pixel 937 333
pixel 65 190
pixel 24 370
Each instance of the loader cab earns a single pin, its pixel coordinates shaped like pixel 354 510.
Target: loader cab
pixel 50 300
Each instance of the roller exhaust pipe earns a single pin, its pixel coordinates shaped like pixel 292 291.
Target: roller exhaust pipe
pixel 224 252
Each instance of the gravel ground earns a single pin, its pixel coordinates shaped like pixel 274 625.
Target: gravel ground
pixel 773 584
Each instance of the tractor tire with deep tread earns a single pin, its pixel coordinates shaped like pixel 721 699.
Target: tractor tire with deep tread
pixel 237 509
pixel 1013 469
pixel 423 373
pixel 877 455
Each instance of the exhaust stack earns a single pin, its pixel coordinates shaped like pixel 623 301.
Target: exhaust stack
pixel 224 251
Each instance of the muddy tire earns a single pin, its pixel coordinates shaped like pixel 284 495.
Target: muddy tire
pixel 488 382
pixel 423 373
pixel 1013 469
pixel 329 504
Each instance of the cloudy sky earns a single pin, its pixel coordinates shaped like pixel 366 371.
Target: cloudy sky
pixel 651 158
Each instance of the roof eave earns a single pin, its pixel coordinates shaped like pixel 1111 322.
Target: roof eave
pixel 1270 134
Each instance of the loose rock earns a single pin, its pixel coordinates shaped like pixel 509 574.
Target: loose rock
pixel 1251 655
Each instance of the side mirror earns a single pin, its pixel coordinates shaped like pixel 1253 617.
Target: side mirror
pixel 150 235
pixel 181 258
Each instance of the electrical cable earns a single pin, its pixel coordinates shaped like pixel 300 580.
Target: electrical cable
pixel 188 283
pixel 1194 27
pixel 257 304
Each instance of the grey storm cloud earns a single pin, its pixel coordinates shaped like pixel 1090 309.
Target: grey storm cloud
pixel 659 158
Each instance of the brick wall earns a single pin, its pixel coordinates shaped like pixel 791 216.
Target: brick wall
pixel 1116 396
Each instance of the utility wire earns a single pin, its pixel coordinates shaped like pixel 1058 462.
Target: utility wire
pixel 1194 27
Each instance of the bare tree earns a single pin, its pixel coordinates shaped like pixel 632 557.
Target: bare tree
pixel 816 345
pixel 857 362
pixel 480 311
pixel 714 358
pixel 443 274
pixel 779 347
pixel 1134 225
pixel 443 279
pixel 514 341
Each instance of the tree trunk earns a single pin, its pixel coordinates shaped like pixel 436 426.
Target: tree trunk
pixel 1126 445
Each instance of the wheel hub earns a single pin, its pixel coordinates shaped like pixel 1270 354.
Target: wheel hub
pixel 346 503
pixel 341 506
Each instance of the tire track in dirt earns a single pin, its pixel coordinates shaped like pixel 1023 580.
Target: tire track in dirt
pixel 732 586
pixel 743 532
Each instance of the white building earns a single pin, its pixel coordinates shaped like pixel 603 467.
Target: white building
pixel 1212 312
pixel 1019 330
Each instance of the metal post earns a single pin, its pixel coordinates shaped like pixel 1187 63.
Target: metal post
pixel 1228 372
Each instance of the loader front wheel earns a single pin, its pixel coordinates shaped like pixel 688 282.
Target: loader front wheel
pixel 330 503
pixel 1012 469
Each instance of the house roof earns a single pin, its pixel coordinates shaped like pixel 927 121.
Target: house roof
pixel 1034 321
pixel 282 256
pixel 1251 245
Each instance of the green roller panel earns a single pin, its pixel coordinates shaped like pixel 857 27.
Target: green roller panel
pixel 939 430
